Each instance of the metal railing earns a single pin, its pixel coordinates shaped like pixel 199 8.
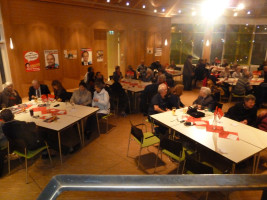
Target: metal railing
pixel 153 183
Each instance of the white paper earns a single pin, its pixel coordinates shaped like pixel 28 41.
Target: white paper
pixel 232 137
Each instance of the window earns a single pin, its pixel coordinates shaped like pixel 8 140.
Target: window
pixel 259 45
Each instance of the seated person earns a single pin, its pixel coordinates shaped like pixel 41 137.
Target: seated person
pixel 99 77
pixel 261 92
pixel 226 73
pixel 89 79
pixel 59 91
pixel 244 112
pixel 37 90
pixel 130 73
pixel 245 70
pixel 101 99
pixel 81 96
pixel 205 100
pixel 10 96
pixel 264 71
pixel 174 97
pixel 262 121
pixel 237 73
pixel 172 65
pixel 148 76
pixel 243 85
pixel 117 75
pixel 142 69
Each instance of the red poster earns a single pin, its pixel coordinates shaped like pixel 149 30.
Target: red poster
pixel 31 61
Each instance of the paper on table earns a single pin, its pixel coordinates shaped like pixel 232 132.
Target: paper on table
pixel 234 124
pixel 232 137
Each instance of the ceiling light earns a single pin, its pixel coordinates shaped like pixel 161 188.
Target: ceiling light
pixel 235 14
pixel 127 3
pixel 212 9
pixel 179 11
pixel 248 12
pixel 240 6
pixel 155 10
pixel 194 13
pixel 207 43
pixel 166 42
pixel 108 1
pixel 265 28
pixel 144 6
pixel 246 24
pixel 11 43
pixel 163 10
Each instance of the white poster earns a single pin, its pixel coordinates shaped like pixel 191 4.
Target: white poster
pixel 51 59
pixel 158 52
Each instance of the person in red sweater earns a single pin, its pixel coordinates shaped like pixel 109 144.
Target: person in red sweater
pixel 262 121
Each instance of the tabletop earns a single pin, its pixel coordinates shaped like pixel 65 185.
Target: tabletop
pixel 131 84
pixel 233 81
pixel 234 150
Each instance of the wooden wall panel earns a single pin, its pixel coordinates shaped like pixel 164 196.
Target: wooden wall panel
pixel 39 26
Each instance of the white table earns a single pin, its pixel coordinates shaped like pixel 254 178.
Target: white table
pixel 233 81
pixel 233 150
pixel 74 115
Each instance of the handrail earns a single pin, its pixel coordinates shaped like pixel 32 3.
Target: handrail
pixel 153 183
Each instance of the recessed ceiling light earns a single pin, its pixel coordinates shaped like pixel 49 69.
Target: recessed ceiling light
pixel 246 24
pixel 248 12
pixel 265 28
pixel 240 6
pixel 235 14
pixel 144 6
pixel 108 1
pixel 155 10
pixel 163 10
pixel 127 3
pixel 179 11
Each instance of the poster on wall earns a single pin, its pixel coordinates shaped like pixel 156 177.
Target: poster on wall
pixel 99 56
pixel 86 54
pixel 149 50
pixel 158 52
pixel 51 59
pixel 31 61
pixel 70 54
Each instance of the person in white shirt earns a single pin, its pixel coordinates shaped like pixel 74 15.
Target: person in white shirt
pixel 101 99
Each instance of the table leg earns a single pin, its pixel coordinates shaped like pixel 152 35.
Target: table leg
pixel 233 168
pixel 257 163
pixel 82 127
pixel 97 121
pixel 254 163
pixel 79 130
pixel 59 146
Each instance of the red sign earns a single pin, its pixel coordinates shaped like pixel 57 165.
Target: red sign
pixel 31 61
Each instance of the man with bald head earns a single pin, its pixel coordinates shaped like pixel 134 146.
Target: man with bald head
pixel 51 61
pixel 37 90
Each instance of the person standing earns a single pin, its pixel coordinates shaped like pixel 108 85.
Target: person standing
pixel 188 73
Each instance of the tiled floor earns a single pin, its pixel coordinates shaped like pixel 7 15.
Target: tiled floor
pixel 106 154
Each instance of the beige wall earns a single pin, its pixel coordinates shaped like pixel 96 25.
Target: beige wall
pixel 39 26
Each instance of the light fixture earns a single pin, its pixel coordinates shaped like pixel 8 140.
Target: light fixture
pixel 249 12
pixel 155 10
pixel 212 9
pixel 166 42
pixel 179 11
pixel 194 13
pixel 127 3
pixel 235 14
pixel 163 10
pixel 108 1
pixel 246 24
pixel 240 6
pixel 207 43
pixel 11 44
pixel 144 6
pixel 265 28
pixel 258 27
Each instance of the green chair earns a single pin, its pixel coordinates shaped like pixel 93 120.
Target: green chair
pixel 174 150
pixel 146 139
pixel 27 154
pixel 106 118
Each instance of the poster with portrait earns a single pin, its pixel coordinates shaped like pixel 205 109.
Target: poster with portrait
pixel 51 59
pixel 31 61
pixel 87 58
pixel 70 54
pixel 99 56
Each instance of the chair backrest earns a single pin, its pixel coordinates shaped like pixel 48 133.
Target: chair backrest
pixel 68 96
pixel 196 167
pixel 137 133
pixel 174 147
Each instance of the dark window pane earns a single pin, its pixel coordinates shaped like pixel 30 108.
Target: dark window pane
pixel 2 70
pixel 217 46
pixel 219 28
pixel 261 29
pixel 259 49
pixel 198 45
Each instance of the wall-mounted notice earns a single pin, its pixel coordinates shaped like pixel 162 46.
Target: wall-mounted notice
pixel 99 56
pixel 149 50
pixel 70 54
pixel 86 54
pixel 51 59
pixel 158 52
pixel 31 61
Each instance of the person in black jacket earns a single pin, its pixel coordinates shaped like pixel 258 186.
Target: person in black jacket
pixel 37 90
pixel 188 73
pixel 244 112
pixel 10 96
pixel 59 91
pixel 205 100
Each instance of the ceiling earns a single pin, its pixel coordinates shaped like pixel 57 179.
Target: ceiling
pixel 171 8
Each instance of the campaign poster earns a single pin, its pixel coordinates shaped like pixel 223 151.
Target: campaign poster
pixel 99 56
pixel 51 59
pixel 31 61
pixel 87 58
pixel 158 52
pixel 70 54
